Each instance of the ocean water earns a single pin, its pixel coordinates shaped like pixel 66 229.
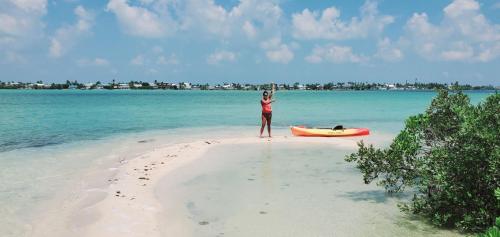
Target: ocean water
pixel 49 139
pixel 41 118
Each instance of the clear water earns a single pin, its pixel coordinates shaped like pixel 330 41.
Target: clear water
pixel 271 189
pixel 47 138
pixel 41 118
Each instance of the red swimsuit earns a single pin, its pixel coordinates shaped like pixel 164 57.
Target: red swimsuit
pixel 267 112
pixel 266 106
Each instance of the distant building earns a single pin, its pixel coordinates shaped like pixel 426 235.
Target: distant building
pixel 227 87
pixel 196 87
pixel 186 86
pixel 123 86
pixel 246 87
pixel 88 86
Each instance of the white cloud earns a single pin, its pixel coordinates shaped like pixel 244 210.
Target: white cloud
pixel 489 53
pixel 138 60
pixel 281 55
pixel 249 29
pixel 33 6
pixel 388 51
pixel 458 7
pixel 152 71
pixel 171 60
pixel 464 34
pixel 157 49
pixel 276 51
pixel 221 56
pixel 208 15
pixel 67 36
pixel 154 59
pixel 242 19
pixel 265 16
pixel 13 57
pixel 496 6
pixel 21 23
pixel 101 62
pixel 335 54
pixel 328 25
pixel 141 21
pixel 162 18
pixel 97 62
pixel 458 51
pixel 271 43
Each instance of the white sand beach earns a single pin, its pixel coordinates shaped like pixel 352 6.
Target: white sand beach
pixel 145 196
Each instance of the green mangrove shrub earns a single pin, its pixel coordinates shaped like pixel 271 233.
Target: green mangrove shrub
pixel 449 156
pixel 495 230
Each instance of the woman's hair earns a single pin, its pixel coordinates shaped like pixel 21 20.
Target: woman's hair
pixel 265 93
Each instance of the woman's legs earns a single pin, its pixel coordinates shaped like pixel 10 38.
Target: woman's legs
pixel 269 124
pixel 263 125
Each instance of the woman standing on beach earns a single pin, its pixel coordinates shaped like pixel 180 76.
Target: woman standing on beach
pixel 267 112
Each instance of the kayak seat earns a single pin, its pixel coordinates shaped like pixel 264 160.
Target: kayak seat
pixel 338 127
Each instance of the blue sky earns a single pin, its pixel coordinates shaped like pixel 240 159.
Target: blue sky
pixel 255 41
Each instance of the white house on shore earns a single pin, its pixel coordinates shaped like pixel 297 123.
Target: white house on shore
pixel 123 86
pixel 227 87
pixel 186 86
pixel 89 85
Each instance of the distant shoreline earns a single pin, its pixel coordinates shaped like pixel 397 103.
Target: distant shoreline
pixel 240 90
pixel 339 86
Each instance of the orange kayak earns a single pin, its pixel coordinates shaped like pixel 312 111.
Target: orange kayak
pixel 328 132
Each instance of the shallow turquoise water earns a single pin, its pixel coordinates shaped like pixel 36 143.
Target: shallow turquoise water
pixel 41 118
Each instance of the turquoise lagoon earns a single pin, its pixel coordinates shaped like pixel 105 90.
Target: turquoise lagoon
pixel 41 118
pixel 50 139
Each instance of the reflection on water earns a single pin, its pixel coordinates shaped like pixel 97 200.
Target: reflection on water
pixel 273 189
